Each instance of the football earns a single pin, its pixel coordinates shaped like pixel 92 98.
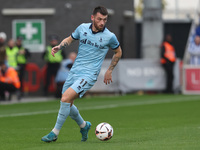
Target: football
pixel 104 131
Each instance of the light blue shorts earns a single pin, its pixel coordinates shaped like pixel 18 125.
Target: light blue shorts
pixel 80 84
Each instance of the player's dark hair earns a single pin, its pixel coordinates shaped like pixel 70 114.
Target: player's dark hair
pixel 102 10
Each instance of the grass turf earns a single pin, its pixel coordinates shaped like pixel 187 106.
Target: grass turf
pixel 148 122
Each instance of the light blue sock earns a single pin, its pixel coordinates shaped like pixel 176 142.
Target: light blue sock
pixel 75 115
pixel 62 115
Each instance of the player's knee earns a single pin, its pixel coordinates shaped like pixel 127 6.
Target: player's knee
pixel 66 99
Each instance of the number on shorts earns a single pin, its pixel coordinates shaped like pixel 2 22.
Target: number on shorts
pixel 82 82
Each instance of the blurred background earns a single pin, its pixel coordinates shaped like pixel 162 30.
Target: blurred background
pixel 141 27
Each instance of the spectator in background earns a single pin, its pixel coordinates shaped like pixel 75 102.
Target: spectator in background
pixel 63 73
pixel 11 53
pixel 168 58
pixel 2 39
pixel 53 63
pixel 197 32
pixel 2 45
pixel 22 56
pixel 9 80
pixel 194 50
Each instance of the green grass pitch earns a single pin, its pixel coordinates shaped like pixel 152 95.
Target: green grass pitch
pixel 147 122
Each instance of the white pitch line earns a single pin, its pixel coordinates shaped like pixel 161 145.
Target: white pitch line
pixel 123 103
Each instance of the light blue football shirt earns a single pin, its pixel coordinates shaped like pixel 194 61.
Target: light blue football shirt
pixel 93 47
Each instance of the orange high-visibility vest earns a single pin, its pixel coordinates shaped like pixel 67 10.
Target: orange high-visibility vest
pixel 11 77
pixel 169 53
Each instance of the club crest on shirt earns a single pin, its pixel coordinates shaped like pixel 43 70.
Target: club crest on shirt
pixel 85 33
pixel 100 40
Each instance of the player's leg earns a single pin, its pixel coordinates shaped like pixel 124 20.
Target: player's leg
pixel 84 125
pixel 75 115
pixel 81 86
pixel 67 99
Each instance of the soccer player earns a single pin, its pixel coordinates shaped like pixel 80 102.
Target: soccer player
pixel 94 42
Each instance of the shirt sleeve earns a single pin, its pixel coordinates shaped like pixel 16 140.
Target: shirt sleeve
pixel 76 34
pixel 114 43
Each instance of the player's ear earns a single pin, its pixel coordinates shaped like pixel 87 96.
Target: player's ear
pixel 92 17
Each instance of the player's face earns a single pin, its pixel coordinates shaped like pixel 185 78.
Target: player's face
pixel 99 21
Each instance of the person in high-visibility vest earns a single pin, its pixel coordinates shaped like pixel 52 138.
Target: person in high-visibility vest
pixel 53 63
pixel 168 58
pixel 11 53
pixel 22 56
pixel 9 80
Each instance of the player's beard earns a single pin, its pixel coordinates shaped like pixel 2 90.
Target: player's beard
pixel 99 28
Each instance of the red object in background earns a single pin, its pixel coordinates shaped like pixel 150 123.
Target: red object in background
pixel 52 86
pixel 35 77
pixel 192 79
pixel 29 86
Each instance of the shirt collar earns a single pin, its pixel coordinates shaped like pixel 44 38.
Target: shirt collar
pixel 94 31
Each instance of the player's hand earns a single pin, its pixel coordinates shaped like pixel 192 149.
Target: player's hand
pixel 55 50
pixel 108 77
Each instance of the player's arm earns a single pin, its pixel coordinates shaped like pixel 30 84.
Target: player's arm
pixel 66 42
pixel 115 60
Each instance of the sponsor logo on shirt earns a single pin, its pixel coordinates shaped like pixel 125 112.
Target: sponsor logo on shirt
pixel 88 42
